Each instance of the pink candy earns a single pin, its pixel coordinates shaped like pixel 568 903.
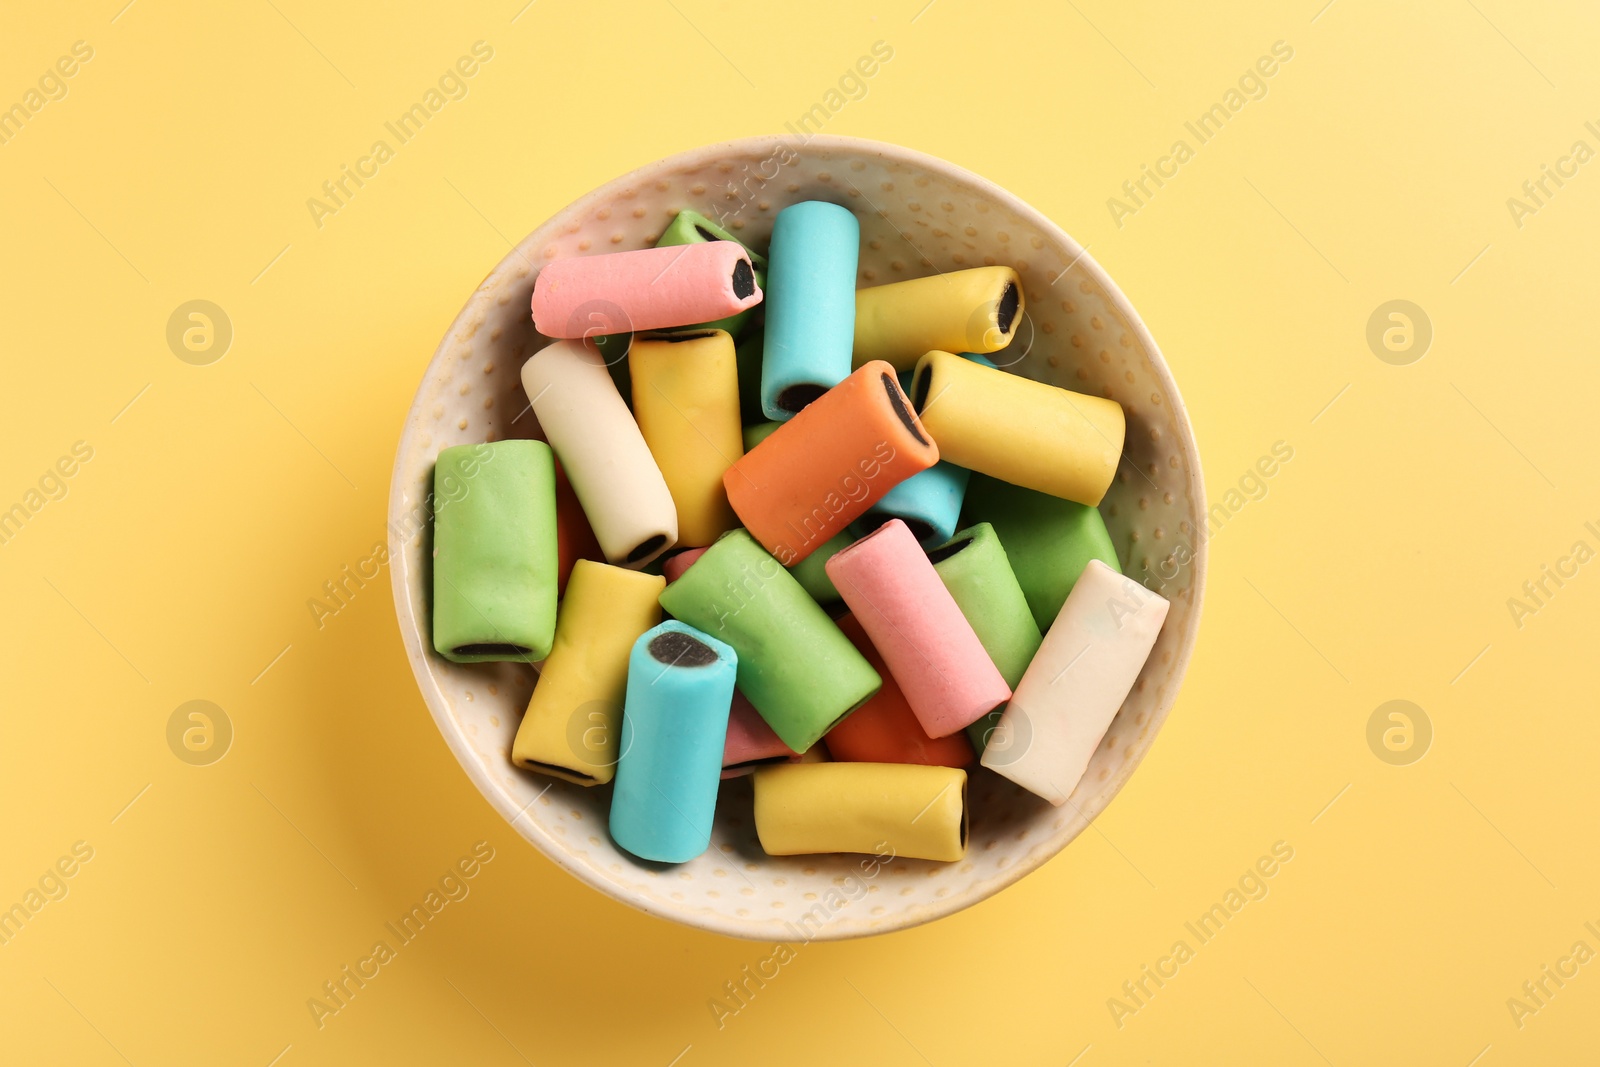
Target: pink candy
pixel 645 289
pixel 930 648
pixel 751 742
pixel 679 562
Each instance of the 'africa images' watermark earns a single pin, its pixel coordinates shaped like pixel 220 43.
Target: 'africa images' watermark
pixel 1137 192
pixel 454 885
pixel 738 193
pixel 737 993
pixel 338 191
pixel 1538 191
pixel 51 486
pixel 51 87
pixel 1252 885
pixel 1251 487
pixel 1538 591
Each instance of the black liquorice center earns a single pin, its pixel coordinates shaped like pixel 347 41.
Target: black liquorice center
pixel 1006 313
pixel 919 388
pixel 944 552
pixel 676 648
pixel 646 547
pixel 678 338
pixel 796 397
pixel 744 279
pixel 491 649
pixel 897 400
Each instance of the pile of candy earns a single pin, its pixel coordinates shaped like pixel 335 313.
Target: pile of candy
pixel 792 502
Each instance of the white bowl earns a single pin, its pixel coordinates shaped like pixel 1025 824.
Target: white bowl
pixel 918 214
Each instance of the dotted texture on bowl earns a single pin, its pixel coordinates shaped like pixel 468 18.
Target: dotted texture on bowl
pixel 918 215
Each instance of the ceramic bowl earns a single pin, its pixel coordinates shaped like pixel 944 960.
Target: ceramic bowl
pixel 918 215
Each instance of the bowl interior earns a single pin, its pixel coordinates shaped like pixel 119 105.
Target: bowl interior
pixel 918 215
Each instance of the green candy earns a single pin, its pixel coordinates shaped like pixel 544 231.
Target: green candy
pixel 755 433
pixel 795 666
pixel 494 552
pixel 690 227
pixel 809 572
pixel 749 361
pixel 1048 541
pixel 974 568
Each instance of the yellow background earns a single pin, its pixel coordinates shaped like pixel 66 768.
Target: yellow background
pixel 1377 567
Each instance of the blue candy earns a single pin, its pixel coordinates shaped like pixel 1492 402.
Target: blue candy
pixel 811 305
pixel 674 726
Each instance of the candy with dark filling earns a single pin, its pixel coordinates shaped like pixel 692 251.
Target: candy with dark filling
pixel 974 310
pixel 495 563
pixel 810 305
pixel 675 722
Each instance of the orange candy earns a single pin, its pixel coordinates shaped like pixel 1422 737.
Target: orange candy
pixel 823 469
pixel 884 729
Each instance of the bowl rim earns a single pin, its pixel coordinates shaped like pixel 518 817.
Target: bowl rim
pixel 412 628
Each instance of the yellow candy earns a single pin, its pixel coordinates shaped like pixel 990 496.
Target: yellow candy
pixel 1024 432
pixel 899 809
pixel 573 724
pixel 973 310
pixel 686 400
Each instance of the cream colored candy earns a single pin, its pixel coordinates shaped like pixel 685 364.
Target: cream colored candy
pixel 1077 682
pixel 604 454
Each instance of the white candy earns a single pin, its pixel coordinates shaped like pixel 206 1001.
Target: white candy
pixel 1076 683
pixel 606 459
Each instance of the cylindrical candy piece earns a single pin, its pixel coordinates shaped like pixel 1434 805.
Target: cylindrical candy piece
pixel 612 471
pixel 1048 541
pixel 1069 694
pixel 686 400
pixel 494 552
pixel 1024 432
pixel 573 725
pixel 898 809
pixel 930 647
pixel 825 467
pixel 643 289
pixel 975 310
pixel 811 305
pixel 751 742
pixel 973 566
pixel 574 536
pixel 799 671
pixel 691 227
pixel 885 729
pixel 680 685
